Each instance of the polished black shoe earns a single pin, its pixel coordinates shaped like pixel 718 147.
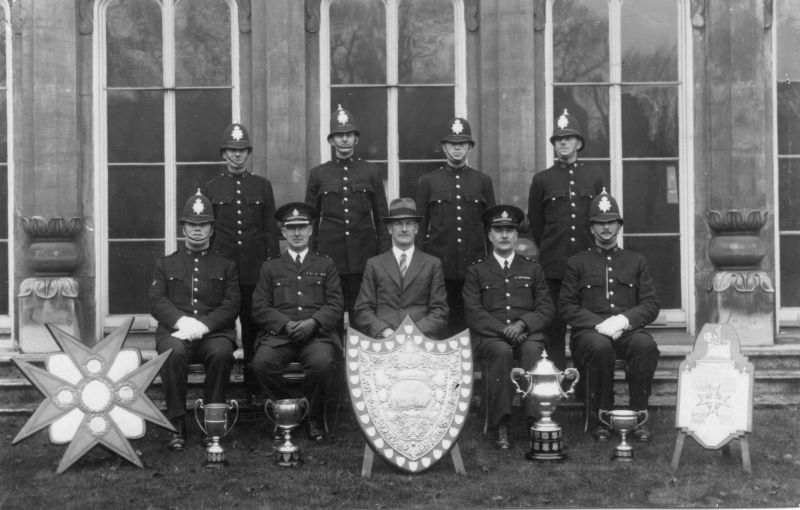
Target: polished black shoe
pixel 641 435
pixel 315 432
pixel 177 440
pixel 601 433
pixel 503 442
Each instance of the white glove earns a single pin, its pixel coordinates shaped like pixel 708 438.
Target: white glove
pixel 613 327
pixel 190 328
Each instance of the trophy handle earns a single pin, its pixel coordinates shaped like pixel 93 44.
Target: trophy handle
pixel 269 404
pixel 600 414
pixel 234 404
pixel 518 372
pixel 304 405
pixel 646 416
pixel 570 373
pixel 199 404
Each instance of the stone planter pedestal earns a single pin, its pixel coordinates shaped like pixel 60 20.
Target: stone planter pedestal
pixel 741 295
pixel 51 295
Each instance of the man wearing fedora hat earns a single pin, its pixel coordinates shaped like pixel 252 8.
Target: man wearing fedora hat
pixel 297 304
pixel 246 232
pixel 451 200
pixel 195 299
pixel 402 281
pixel 558 210
pixel 349 195
pixel 607 298
pixel 507 306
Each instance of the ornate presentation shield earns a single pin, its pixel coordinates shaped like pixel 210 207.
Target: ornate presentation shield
pixel 410 394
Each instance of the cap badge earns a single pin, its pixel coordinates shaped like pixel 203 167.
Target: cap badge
pixel 295 213
pixel 198 206
pixel 457 127
pixel 342 117
pixel 563 121
pixel 604 204
pixel 237 134
pixel 504 215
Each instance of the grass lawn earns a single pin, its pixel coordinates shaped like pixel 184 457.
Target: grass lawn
pixel 330 476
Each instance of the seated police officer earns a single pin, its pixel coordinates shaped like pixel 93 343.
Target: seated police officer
pixel 195 299
pixel 607 298
pixel 508 305
pixel 297 304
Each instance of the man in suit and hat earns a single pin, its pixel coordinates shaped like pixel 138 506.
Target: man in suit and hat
pixel 402 281
pixel 348 193
pixel 507 305
pixel 246 232
pixel 297 304
pixel 607 298
pixel 451 201
pixel 558 210
pixel 195 299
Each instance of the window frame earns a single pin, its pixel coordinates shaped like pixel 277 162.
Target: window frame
pixel 6 320
pixel 670 318
pixel 392 146
pixel 105 321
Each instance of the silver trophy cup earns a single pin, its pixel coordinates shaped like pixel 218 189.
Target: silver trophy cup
pixel 545 392
pixel 623 421
pixel 286 414
pixel 215 417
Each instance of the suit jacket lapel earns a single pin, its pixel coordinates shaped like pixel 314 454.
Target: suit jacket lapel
pixel 389 264
pixel 413 269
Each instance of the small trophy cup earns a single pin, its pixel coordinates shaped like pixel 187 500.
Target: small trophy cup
pixel 216 427
pixel 545 392
pixel 623 421
pixel 286 414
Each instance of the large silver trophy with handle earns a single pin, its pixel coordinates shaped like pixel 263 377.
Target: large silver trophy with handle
pixel 623 421
pixel 286 414
pixel 545 392
pixel 215 417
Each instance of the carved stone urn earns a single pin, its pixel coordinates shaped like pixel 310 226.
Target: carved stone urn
pixel 53 250
pixel 736 244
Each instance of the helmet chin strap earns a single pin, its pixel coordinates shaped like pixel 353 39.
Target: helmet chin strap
pixel 232 164
pixel 460 162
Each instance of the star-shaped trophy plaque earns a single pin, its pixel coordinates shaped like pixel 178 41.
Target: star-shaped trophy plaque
pixel 93 396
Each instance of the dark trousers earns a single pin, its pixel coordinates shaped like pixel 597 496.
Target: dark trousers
pixel 556 332
pixel 317 358
pixel 594 354
pixel 456 321
pixel 351 284
pixel 249 335
pixel 214 352
pixel 498 358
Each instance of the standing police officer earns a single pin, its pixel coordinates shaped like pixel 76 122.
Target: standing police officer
pixel 348 193
pixel 508 306
pixel 246 232
pixel 298 304
pixel 607 298
pixel 558 210
pixel 195 298
pixel 451 201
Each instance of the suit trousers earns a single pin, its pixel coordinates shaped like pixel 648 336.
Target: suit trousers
pixel 556 332
pixel 499 359
pixel 317 358
pixel 216 354
pixel 595 354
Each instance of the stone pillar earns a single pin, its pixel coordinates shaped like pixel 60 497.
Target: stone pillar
pixel 740 294
pixel 51 295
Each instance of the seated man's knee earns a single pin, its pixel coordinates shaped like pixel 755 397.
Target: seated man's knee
pixel 178 346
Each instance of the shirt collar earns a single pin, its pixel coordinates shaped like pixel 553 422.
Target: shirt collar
pixel 294 254
pixel 345 160
pixel 500 260
pixel 397 251
pixel 606 252
pixel 237 176
pixel 193 253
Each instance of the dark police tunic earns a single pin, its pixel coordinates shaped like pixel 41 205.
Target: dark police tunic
pixel 492 301
pixel 203 285
pixel 598 284
pixel 351 201
pixel 558 210
pixel 287 293
pixel 451 202
pixel 245 230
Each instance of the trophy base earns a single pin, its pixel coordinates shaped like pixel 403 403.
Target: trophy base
pixel 287 458
pixel 624 455
pixel 215 460
pixel 546 445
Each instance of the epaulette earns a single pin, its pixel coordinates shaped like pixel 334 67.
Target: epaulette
pixel 478 261
pixel 323 255
pixel 531 259
pixel 273 257
pixel 260 177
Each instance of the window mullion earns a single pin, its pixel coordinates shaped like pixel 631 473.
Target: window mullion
pixel 392 142
pixel 615 101
pixel 170 165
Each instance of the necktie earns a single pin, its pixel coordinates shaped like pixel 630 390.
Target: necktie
pixel 505 266
pixel 297 261
pixel 403 265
